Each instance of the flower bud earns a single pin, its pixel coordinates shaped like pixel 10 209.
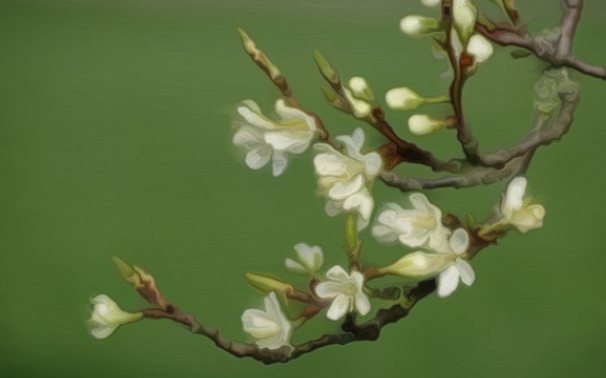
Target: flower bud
pixel 267 283
pixel 403 98
pixel 422 124
pixel 431 3
pixel 418 25
pixel 107 316
pixel 360 89
pixel 465 15
pixel 416 264
pixel 359 108
pixel 480 48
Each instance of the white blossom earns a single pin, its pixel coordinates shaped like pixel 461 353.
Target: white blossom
pixel 310 259
pixel 267 140
pixel 459 269
pixel 107 316
pixel 421 226
pixel 270 328
pixel 515 208
pixel 447 263
pixel 347 291
pixel 345 178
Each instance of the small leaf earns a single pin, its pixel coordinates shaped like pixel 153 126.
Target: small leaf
pixel 327 70
pixel 519 54
pixel 351 234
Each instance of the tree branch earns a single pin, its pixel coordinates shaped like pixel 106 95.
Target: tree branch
pixel 556 51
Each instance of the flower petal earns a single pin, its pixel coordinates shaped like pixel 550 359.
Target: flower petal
pixel 342 190
pixel 257 158
pixel 254 118
pixel 281 140
pixel 448 281
pixel 102 332
pixel 330 164
pixel 337 273
pixel 514 197
pixel 279 163
pixel 311 257
pixel 339 307
pixel 259 324
pixel 468 276
pixel 459 241
pixel 247 137
pixel 384 234
pixel 362 202
pixel 294 266
pixel 362 304
pixel 329 289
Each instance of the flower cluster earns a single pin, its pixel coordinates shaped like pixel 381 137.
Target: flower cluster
pixel 345 179
pixel 267 140
pixel 422 227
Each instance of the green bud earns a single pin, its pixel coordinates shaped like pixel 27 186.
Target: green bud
pixel 328 71
pixel 267 283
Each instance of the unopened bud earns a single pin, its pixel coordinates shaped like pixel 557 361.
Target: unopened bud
pixel 418 25
pixel 480 48
pixel 422 124
pixel 403 98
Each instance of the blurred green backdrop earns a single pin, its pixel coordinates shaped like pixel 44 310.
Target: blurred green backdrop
pixel 114 140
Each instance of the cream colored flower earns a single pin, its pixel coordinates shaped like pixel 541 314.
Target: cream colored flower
pixel 515 208
pixel 418 227
pixel 310 259
pixel 270 328
pixel 107 317
pixel 267 140
pixel 449 264
pixel 347 291
pixel 345 178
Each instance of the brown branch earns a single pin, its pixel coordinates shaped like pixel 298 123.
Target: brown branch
pixel 503 163
pixel 557 51
pixel 368 331
pixel 468 141
pixel 538 136
pixel 281 82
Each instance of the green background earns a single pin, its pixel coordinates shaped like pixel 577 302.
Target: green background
pixel 115 140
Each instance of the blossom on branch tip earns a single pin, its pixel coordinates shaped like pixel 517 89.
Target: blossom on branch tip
pixel 515 208
pixel 419 25
pixel 270 328
pixel 403 98
pixel 421 226
pixel 422 124
pixel 448 263
pixel 268 140
pixel 464 17
pixel 310 259
pixel 458 268
pixel 345 178
pixel 347 291
pixel 360 97
pixel 107 316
